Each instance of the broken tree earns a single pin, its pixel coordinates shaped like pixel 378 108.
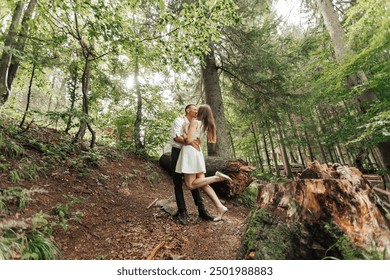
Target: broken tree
pixel 237 169
pixel 330 212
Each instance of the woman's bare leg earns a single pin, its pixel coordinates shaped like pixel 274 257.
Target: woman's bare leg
pixel 195 181
pixel 214 198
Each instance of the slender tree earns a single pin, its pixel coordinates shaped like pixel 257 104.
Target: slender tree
pixel 21 43
pixel 10 43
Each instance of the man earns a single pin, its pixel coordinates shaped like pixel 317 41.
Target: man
pixel 177 143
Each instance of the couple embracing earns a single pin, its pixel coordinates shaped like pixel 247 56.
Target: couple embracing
pixel 187 160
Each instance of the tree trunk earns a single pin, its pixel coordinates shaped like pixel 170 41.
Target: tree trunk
pixel 286 162
pixel 84 123
pixel 232 144
pixel 334 27
pixel 238 170
pixel 14 65
pixel 137 125
pixel 9 42
pixel 72 95
pixel 296 135
pixel 267 154
pixel 28 96
pixel 257 149
pixel 273 150
pixel 311 218
pixel 213 95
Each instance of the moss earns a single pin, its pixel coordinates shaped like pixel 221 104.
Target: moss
pixel 269 239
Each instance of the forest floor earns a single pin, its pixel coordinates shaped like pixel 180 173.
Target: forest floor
pixel 120 219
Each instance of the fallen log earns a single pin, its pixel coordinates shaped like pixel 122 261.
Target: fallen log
pixel 311 218
pixel 237 169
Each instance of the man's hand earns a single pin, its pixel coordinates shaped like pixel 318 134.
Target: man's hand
pixel 196 144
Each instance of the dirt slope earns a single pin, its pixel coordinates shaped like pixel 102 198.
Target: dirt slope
pixel 117 223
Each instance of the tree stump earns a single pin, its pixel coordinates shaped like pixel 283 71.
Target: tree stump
pixel 237 169
pixel 314 215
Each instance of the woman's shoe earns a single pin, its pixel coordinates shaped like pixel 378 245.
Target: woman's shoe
pixel 221 212
pixel 224 176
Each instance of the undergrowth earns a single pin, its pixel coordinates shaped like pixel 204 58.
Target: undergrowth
pixel 32 238
pixel 26 156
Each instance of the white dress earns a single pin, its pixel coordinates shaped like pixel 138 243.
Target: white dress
pixel 191 161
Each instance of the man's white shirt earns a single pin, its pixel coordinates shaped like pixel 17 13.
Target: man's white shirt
pixel 177 130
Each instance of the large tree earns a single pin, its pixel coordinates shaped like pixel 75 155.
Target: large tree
pixel 213 94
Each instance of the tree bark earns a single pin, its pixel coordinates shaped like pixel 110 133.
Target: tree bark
pixel 14 65
pixel 28 96
pixel 334 27
pixel 267 153
pixel 137 125
pixel 213 95
pixel 72 95
pixel 286 162
pixel 10 43
pixel 307 218
pixel 257 149
pixel 273 149
pixel 84 123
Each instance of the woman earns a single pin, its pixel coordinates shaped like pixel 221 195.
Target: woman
pixel 191 160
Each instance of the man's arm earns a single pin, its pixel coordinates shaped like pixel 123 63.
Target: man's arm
pixel 182 140
pixel 179 137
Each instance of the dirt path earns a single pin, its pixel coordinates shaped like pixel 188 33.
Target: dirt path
pixel 117 223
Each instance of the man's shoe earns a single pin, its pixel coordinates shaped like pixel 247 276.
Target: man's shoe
pixel 204 215
pixel 182 217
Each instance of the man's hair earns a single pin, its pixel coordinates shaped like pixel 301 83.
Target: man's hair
pixel 188 106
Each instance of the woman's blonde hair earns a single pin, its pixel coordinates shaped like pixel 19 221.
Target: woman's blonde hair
pixel 205 115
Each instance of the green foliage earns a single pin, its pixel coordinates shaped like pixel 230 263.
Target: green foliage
pixel 249 196
pixel 343 243
pixel 37 246
pixel 268 177
pixel 348 249
pixel 41 222
pixel 325 80
pixel 128 176
pixel 153 178
pixel 9 245
pixel 9 148
pixel 83 162
pixel 269 240
pixel 19 241
pixel 65 214
pixel 27 170
pixel 18 196
pixel 19 244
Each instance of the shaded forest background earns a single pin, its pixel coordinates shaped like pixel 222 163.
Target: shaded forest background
pixel 284 94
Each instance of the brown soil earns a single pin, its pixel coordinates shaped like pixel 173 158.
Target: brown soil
pixel 117 222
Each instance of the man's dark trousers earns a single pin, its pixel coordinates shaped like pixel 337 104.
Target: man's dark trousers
pixel 178 183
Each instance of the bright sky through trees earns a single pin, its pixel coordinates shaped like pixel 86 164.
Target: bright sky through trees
pixel 289 10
